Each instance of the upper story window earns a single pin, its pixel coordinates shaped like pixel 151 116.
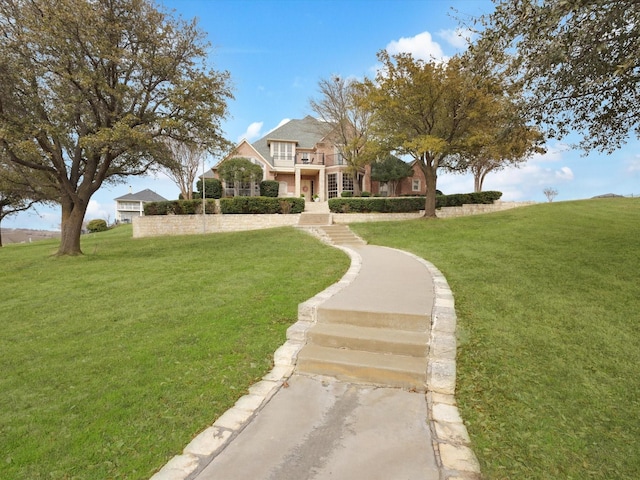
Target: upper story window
pixel 415 184
pixel 282 151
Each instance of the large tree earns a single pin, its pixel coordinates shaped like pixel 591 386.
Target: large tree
pixel 505 141
pixel 430 111
pixel 348 121
pixel 182 167
pixel 579 60
pixel 90 88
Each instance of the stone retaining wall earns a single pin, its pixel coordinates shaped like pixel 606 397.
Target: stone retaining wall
pixel 161 225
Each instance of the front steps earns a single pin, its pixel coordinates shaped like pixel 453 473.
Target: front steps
pixel 340 235
pixel 367 347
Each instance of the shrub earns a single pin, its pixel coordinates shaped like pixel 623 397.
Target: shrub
pixel 269 188
pixel 365 194
pixel 244 205
pixel 376 204
pixel 459 199
pixel 97 225
pixel 346 194
pixel 179 207
pixel 213 188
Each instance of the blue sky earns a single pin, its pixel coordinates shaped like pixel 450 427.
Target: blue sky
pixel 277 50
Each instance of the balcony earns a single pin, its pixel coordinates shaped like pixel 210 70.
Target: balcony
pixel 335 159
pixel 309 158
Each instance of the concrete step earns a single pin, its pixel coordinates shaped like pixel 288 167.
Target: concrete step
pixel 376 340
pixel 311 219
pixel 364 367
pixel 316 207
pixel 341 235
pixel 400 321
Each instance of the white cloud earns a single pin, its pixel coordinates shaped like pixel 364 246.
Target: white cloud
pixel 252 132
pixel 565 173
pixel 633 166
pixel 553 154
pixel 97 210
pixel 458 38
pixel 421 47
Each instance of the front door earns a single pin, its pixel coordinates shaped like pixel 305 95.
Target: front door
pixel 305 189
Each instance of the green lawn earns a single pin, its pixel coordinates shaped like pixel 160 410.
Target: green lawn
pixel 548 303
pixel 112 362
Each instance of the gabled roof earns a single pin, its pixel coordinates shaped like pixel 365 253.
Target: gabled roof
pixel 306 133
pixel 143 196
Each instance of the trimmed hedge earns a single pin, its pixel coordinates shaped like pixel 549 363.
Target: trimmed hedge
pixel 459 199
pixel 408 204
pixel 179 207
pixel 376 204
pixel 269 188
pixel 261 205
pixel 213 188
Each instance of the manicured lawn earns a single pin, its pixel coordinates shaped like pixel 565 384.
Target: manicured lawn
pixel 548 303
pixel 111 362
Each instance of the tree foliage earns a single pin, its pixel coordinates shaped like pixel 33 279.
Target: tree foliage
pixel 390 170
pixel 90 88
pixel 238 170
pixel 430 111
pixel 578 59
pixel 348 121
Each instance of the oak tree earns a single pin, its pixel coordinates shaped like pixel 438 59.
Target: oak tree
pixel 430 111
pixel 90 88
pixel 579 60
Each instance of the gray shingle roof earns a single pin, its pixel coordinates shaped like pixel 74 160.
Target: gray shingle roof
pixel 143 196
pixel 306 133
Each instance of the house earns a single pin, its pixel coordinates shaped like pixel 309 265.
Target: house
pixel 303 159
pixel 132 204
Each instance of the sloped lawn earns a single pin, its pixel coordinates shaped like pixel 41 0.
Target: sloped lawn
pixel 113 361
pixel 548 303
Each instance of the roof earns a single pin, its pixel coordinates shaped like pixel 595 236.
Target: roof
pixel 306 133
pixel 143 196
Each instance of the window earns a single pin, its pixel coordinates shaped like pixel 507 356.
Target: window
pixel 282 151
pixel 347 182
pixel 415 184
pixel 332 185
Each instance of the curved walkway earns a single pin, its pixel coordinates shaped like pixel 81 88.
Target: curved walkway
pixel 300 424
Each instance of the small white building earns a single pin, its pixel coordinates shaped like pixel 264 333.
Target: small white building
pixel 132 204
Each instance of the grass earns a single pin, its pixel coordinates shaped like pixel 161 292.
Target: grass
pixel 112 362
pixel 549 333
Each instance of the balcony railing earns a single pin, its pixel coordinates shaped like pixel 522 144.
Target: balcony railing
pixel 335 159
pixel 308 158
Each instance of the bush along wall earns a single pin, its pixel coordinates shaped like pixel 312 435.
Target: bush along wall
pixel 269 188
pixel 407 204
pixel 179 207
pixel 244 205
pixel 459 199
pixel 376 204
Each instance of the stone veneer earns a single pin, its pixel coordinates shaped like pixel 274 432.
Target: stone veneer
pixel 162 225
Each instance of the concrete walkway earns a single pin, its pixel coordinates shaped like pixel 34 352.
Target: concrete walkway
pixel 341 423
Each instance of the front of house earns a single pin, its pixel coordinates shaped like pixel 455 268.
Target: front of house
pixel 131 205
pixel 301 157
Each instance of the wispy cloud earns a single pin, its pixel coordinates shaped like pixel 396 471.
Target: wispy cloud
pixel 421 46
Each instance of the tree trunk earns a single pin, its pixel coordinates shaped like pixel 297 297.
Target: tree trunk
pixel 71 227
pixel 431 178
pixel 477 183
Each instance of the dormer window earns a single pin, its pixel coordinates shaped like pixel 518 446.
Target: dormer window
pixel 283 151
